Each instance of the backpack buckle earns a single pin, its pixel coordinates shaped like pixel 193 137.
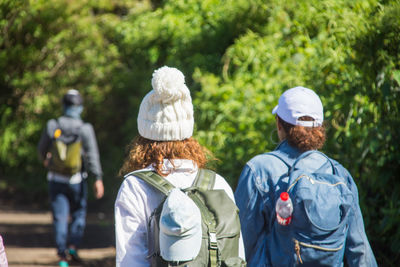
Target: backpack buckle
pixel 213 240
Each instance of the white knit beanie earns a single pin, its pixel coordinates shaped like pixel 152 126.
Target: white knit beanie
pixel 166 112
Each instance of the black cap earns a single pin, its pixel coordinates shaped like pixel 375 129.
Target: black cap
pixel 72 97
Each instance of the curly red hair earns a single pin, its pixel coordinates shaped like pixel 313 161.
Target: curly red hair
pixel 144 152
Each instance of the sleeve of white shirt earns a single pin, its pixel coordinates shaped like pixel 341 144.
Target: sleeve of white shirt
pixel 220 183
pixel 130 227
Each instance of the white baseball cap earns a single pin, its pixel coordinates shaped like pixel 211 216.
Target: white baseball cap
pixel 298 102
pixel 180 228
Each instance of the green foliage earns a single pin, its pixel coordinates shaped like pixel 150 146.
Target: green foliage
pixel 47 47
pixel 377 124
pixel 295 49
pixel 238 57
pixel 350 56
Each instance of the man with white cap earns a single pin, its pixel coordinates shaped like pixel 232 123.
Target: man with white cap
pixel 299 123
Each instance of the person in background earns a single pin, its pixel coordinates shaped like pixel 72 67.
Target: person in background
pixel 3 256
pixel 299 123
pixel 67 173
pixel 165 145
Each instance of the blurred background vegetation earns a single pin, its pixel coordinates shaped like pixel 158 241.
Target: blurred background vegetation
pixel 238 56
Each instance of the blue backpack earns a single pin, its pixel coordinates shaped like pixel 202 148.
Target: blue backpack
pixel 321 205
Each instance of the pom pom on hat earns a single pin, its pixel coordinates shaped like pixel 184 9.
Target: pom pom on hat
pixel 166 112
pixel 169 84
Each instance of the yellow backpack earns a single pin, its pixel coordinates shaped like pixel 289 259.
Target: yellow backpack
pixel 66 151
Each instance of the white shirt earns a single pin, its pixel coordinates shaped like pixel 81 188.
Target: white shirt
pixel 136 201
pixel 65 179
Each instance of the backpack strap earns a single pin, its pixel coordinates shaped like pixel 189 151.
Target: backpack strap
pixel 205 180
pixel 70 131
pixel 155 180
pixel 302 156
pixel 279 157
pixel 58 127
pixel 308 153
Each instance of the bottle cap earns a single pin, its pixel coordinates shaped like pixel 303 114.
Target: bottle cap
pixel 284 196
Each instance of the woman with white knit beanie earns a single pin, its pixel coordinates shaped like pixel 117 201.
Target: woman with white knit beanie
pixel 165 146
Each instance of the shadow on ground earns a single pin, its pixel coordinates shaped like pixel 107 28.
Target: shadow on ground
pixel 41 235
pixel 28 238
pixel 104 262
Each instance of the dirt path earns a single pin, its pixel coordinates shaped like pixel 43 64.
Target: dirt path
pixel 28 239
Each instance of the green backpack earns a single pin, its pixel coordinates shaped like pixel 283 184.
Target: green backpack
pixel 220 222
pixel 65 151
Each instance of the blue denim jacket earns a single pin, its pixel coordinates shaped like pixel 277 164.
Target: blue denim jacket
pixel 260 177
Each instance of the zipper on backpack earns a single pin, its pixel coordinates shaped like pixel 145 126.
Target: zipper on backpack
pixel 312 181
pixel 297 247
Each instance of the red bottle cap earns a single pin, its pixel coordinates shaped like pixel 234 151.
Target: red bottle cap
pixel 284 196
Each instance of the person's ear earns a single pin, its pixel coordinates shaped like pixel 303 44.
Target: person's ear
pixel 278 124
pixel 280 130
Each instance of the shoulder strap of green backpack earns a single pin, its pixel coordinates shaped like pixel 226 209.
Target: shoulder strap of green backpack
pixel 156 181
pixel 205 180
